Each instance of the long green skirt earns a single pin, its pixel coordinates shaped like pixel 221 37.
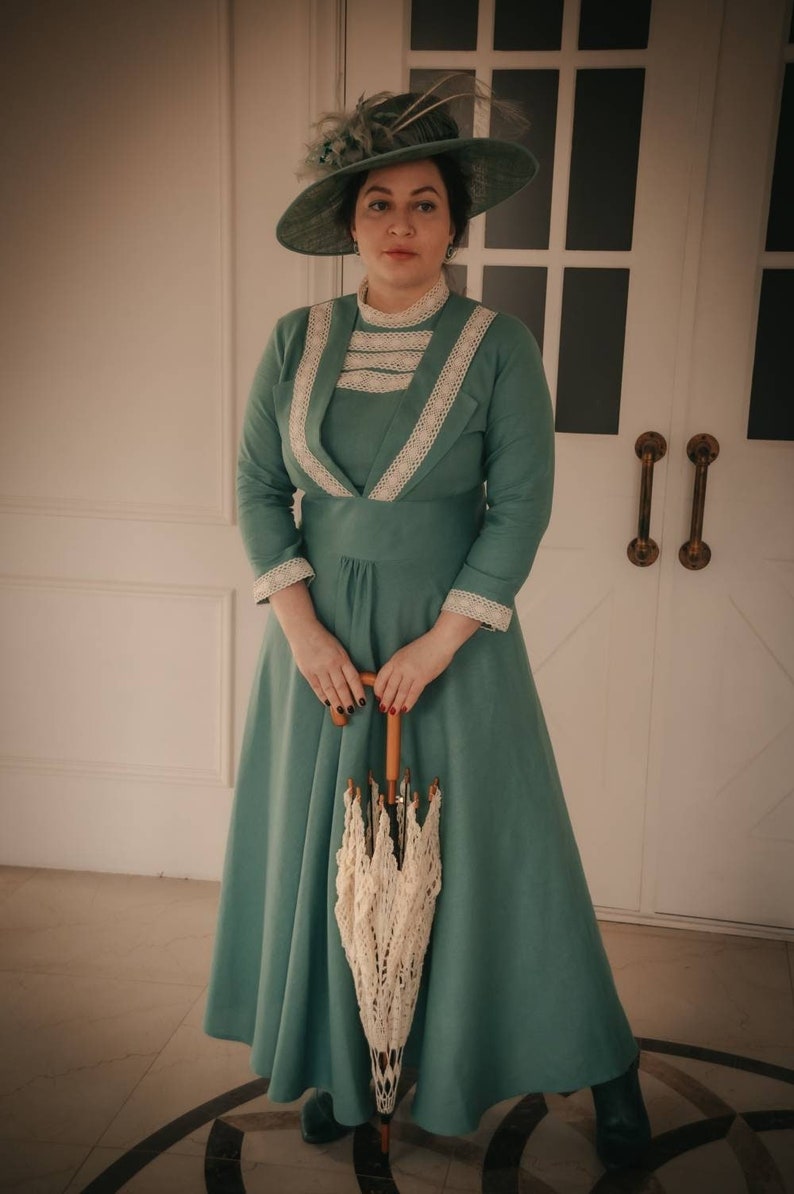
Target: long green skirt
pixel 517 993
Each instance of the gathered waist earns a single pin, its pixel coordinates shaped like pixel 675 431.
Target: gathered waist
pixel 392 532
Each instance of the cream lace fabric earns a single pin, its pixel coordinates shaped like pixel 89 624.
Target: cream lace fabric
pixel 316 340
pixel 383 362
pixel 384 917
pixel 281 576
pixel 424 308
pixel 492 615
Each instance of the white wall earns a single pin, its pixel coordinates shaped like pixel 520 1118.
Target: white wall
pixel 147 150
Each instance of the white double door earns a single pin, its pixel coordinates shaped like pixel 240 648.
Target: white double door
pixel 669 692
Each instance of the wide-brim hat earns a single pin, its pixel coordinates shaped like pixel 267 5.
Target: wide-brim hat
pixel 386 130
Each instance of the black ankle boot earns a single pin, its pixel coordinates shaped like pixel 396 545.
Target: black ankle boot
pixel 623 1129
pixel 318 1125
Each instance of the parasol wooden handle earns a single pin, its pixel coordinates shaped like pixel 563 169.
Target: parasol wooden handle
pixel 393 732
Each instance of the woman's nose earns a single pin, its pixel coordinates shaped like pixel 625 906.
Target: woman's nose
pixel 402 224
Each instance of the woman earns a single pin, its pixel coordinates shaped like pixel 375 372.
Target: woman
pixel 392 410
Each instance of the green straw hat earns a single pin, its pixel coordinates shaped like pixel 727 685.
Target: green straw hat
pixel 382 131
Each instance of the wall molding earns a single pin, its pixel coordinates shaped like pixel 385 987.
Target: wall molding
pixel 219 777
pixel 141 511
pixel 224 512
pixel 324 88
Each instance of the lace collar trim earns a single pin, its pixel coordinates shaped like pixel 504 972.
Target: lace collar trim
pixel 425 307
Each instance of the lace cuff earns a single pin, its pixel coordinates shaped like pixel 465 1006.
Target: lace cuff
pixel 492 615
pixel 281 576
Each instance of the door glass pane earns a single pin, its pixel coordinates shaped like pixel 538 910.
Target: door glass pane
pixel 591 350
pixel 519 25
pixel 780 230
pixel 614 24
pixel 519 290
pixel 604 153
pixel 522 222
pixel 444 24
pixel 771 406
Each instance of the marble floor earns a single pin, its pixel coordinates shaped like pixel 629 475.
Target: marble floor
pixel 107 1081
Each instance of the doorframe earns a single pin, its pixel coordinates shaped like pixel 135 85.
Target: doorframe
pixel 324 91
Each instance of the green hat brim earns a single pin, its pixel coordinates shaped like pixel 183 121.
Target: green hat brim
pixel 495 169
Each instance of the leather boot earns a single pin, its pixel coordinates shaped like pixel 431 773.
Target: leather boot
pixel 623 1129
pixel 318 1125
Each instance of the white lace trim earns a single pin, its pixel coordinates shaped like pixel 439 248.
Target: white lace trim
pixel 436 409
pixel 281 577
pixel 490 613
pixel 316 340
pixel 368 381
pixel 388 341
pixel 404 362
pixel 425 307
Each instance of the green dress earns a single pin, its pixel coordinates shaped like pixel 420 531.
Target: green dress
pixel 396 524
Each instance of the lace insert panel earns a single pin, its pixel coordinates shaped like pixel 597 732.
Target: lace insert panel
pixel 370 382
pixel 305 377
pixel 425 307
pixel 436 409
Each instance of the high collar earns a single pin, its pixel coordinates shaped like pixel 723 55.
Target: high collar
pixel 423 309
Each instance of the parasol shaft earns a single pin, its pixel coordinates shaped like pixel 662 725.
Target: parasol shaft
pixel 393 740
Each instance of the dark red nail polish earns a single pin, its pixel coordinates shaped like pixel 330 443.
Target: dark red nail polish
pixel 392 710
pixel 351 709
pixel 405 709
pixel 328 703
pixel 362 701
pixel 339 709
pixel 382 707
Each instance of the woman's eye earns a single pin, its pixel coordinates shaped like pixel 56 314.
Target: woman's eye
pixel 426 205
pixel 378 205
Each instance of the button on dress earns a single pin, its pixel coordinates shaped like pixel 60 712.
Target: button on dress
pixel 423 446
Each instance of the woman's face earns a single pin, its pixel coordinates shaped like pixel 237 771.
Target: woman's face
pixel 402 225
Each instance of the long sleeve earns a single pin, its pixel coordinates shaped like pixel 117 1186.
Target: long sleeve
pixel 519 470
pixel 265 492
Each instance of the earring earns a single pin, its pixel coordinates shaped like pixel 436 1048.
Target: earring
pixel 355 248
pixel 450 253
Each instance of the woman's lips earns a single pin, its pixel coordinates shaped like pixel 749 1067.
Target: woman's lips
pixel 400 254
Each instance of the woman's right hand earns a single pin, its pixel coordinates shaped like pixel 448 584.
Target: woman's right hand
pixel 319 656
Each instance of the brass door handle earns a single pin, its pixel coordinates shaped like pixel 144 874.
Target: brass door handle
pixel 650 447
pixel 702 450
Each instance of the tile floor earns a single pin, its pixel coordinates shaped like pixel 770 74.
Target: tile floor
pixel 107 1081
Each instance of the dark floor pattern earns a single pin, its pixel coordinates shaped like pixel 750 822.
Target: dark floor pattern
pixel 500 1162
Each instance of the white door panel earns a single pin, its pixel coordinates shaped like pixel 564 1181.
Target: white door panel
pixel 589 614
pixel 669 693
pixel 727 845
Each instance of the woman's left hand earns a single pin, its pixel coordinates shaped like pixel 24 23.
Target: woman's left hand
pixel 402 680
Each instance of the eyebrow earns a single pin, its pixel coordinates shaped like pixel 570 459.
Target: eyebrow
pixel 386 191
